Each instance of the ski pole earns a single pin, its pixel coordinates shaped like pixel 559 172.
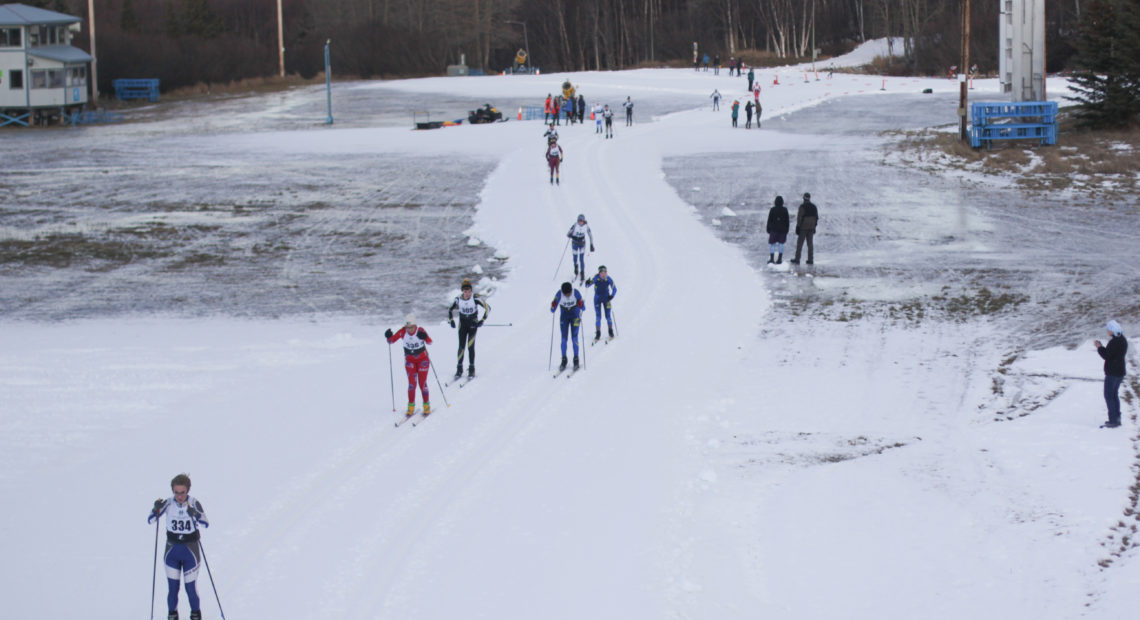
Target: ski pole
pixel 154 567
pixel 441 393
pixel 561 259
pixel 582 338
pixel 550 355
pixel 613 315
pixel 497 325
pixel 215 588
pixel 391 378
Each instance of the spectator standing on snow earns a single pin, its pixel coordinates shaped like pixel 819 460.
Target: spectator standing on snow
pixel 715 96
pixel 468 304
pixel 416 360
pixel 184 514
pixel 570 114
pixel 748 115
pixel 778 224
pixel 581 108
pixel 1113 354
pixel 759 109
pixel 706 59
pixel 756 92
pixel 806 219
pixel 751 77
pixel 556 109
pixel 628 105
pixel 547 108
pixel 578 233
pixel 716 64
pixel 735 111
pixel 568 301
pixel 604 292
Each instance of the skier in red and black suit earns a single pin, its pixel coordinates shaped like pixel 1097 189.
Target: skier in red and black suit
pixel 416 360
pixel 554 159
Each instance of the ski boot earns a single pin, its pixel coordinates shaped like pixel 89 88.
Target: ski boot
pixel 575 362
pixel 557 181
pixel 562 366
pixel 195 615
pixel 172 615
pixel 458 371
pixel 411 409
pixel 611 328
pixel 471 371
pixel 427 408
pixel 597 334
pixel 575 272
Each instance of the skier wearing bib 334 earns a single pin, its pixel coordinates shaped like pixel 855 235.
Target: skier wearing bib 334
pixel 183 552
pixel 604 291
pixel 569 301
pixel 468 305
pixel 416 360
pixel 579 230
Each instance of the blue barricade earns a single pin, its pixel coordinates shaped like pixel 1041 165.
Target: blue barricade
pixel 136 89
pixel 1025 120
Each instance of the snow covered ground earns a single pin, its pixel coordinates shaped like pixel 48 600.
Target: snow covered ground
pixel 906 429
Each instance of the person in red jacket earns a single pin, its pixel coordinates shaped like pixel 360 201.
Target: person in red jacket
pixel 416 361
pixel 547 109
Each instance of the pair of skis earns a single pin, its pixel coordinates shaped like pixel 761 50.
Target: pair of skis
pixel 415 418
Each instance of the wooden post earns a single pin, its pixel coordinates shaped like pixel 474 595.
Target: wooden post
pixel 280 41
pixel 94 58
pixel 963 68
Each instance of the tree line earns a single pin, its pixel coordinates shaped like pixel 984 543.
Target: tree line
pixel 185 42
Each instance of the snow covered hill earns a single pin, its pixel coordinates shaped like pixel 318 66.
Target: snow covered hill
pixel 726 456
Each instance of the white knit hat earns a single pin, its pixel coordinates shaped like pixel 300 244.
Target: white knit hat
pixel 1113 327
pixel 410 320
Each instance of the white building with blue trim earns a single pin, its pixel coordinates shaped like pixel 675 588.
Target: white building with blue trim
pixel 41 73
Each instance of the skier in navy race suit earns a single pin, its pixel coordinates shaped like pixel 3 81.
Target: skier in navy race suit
pixel 569 301
pixel 604 291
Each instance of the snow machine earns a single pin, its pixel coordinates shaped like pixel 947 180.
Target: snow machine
pixel 485 114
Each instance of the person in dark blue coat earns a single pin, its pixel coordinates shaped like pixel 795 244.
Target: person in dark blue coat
pixel 778 224
pixel 569 302
pixel 1113 354
pixel 604 292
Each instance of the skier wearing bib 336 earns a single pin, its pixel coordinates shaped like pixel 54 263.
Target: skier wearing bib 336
pixel 604 291
pixel 468 305
pixel 416 360
pixel 569 300
pixel 183 552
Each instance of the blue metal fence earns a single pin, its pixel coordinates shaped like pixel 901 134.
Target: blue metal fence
pixel 136 89
pixel 1025 120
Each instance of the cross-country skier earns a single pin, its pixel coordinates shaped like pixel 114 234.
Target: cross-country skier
pixel 569 301
pixel 416 360
pixel 604 292
pixel 551 133
pixel 715 96
pixel 579 230
pixel 183 552
pixel 468 305
pixel 596 113
pixel 554 160
pixel 608 114
pixel 628 112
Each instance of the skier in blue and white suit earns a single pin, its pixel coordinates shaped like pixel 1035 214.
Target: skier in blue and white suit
pixel 569 300
pixel 578 233
pixel 183 552
pixel 604 291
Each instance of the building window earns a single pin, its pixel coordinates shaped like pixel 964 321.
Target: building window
pixel 77 76
pixel 48 78
pixel 10 37
pixel 56 78
pixel 16 79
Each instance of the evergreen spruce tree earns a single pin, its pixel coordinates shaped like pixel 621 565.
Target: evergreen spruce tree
pixel 1107 96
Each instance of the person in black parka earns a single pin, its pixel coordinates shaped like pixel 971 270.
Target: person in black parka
pixel 778 224
pixel 1113 354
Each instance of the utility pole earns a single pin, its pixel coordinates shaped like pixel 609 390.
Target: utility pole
pixel 94 58
pixel 280 41
pixel 962 69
